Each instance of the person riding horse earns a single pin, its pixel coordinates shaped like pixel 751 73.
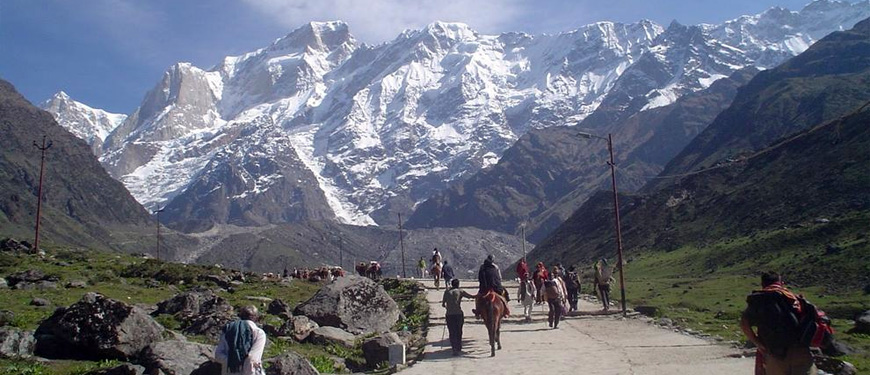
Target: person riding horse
pixel 489 277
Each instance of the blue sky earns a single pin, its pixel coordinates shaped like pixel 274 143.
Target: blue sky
pixel 109 53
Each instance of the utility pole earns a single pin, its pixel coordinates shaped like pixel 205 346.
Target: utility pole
pixel 340 251
pixel 157 213
pixel 612 165
pixel 42 148
pixel 618 227
pixel 524 241
pixel 402 246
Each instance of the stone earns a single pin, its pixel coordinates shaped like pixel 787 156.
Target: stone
pixel 302 327
pixel 6 318
pixel 39 302
pixel 201 312
pixel 837 348
pixel 649 311
pixel 353 303
pixel 667 322
pixel 192 303
pixel 221 281
pixel 3 283
pixel 76 284
pixel 834 366
pixel 377 349
pixel 123 369
pixel 11 245
pixel 15 343
pixel 331 335
pixel 97 327
pixel 862 323
pixel 289 363
pixel 38 285
pixel 28 276
pixel 176 357
pixel 278 307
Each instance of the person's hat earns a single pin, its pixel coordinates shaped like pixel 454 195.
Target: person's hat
pixel 489 257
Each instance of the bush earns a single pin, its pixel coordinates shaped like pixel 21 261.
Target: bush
pixel 323 364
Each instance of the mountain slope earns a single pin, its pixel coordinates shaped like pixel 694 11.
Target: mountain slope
pixel 825 82
pixel 82 204
pixel 548 173
pixel 787 200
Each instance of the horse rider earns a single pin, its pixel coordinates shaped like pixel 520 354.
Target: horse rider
pixel 489 277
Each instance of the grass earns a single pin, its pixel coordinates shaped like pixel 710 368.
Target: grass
pixel 705 288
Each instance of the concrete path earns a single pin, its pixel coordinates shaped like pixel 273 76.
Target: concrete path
pixel 585 344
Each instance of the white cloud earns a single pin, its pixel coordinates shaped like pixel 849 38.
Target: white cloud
pixel 375 21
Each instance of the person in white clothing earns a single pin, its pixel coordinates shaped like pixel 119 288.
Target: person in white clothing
pixel 240 349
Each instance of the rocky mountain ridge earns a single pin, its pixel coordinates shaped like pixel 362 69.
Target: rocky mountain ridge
pixel 376 130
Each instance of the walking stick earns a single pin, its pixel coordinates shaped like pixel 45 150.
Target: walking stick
pixel 443 330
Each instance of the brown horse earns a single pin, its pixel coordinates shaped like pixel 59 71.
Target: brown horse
pixel 492 310
pixel 436 274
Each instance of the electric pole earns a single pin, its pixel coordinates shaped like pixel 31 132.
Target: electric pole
pixel 402 246
pixel 42 148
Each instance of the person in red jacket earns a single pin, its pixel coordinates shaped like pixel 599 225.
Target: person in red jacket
pixel 538 278
pixel 522 269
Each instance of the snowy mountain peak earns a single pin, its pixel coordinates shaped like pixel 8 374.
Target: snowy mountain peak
pixel 318 36
pixel 90 124
pixel 451 30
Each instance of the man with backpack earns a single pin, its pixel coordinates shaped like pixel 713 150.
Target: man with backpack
pixel 572 286
pixel 786 325
pixel 240 348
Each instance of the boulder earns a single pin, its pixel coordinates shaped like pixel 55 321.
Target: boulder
pixel 649 311
pixel 201 312
pixel 38 285
pixel 6 317
pixel 280 308
pixel 377 349
pixel 97 327
pixel 834 366
pixel 14 246
pixel 123 369
pixel 302 327
pixel 15 343
pixel 289 363
pixel 76 284
pixel 174 357
pixel 837 348
pixel 39 302
pixel 192 303
pixel 862 323
pixel 332 335
pixel 284 330
pixel 221 281
pixel 28 276
pixel 353 303
pixel 3 283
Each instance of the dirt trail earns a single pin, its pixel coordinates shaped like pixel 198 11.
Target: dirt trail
pixel 588 344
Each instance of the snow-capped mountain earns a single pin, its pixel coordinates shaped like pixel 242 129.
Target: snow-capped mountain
pixel 375 130
pixel 90 124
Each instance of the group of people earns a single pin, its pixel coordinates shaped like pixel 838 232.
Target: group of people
pixel 440 270
pixel 315 274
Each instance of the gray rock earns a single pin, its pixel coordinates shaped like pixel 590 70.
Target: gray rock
pixel 647 310
pixel 176 357
pixel 289 363
pixel 97 327
pixel 39 302
pixel 6 317
pixel 667 322
pixel 834 366
pixel 15 343
pixel 279 308
pixel 862 323
pixel 332 335
pixel 38 285
pixel 201 312
pixel 28 276
pixel 3 283
pixel 76 284
pixel 302 327
pixel 377 349
pixel 123 369
pixel 353 303
pixel 221 281
pixel 837 348
pixel 192 303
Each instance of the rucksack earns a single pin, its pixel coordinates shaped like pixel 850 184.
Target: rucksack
pixel 780 326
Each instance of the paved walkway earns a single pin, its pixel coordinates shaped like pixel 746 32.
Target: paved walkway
pixel 586 344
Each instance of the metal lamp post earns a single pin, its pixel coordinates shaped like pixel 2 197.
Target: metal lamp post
pixel 42 148
pixel 612 164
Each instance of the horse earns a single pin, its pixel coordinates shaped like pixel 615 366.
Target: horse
pixel 492 311
pixel 436 273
